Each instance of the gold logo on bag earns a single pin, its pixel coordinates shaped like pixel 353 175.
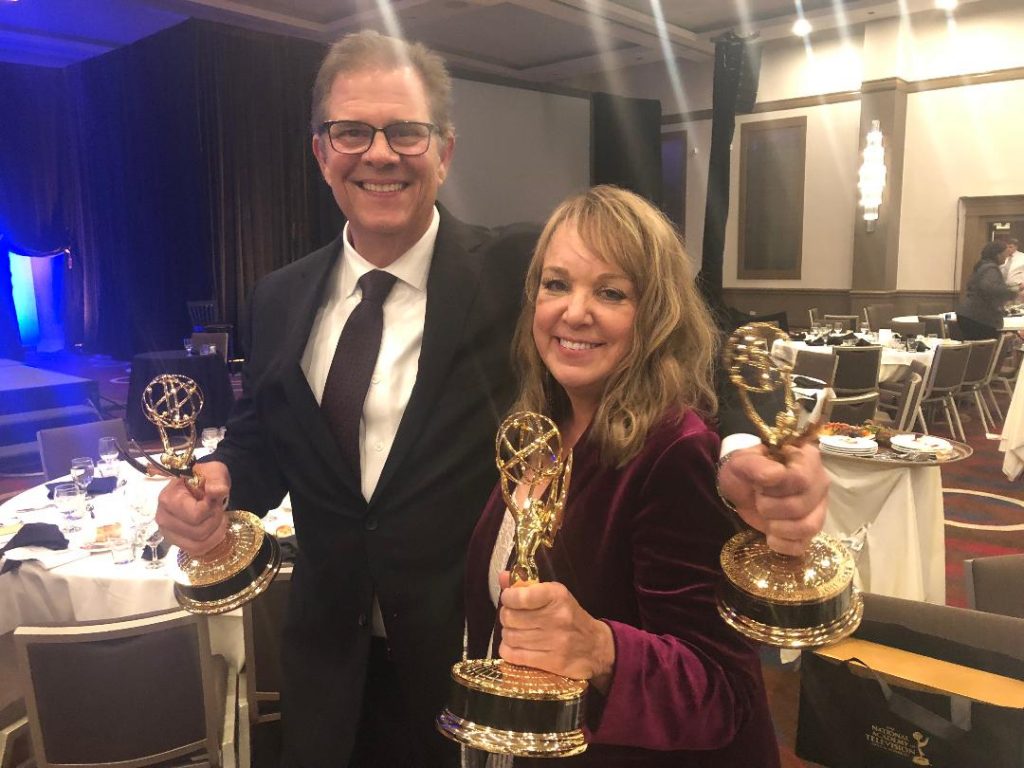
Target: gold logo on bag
pixel 922 741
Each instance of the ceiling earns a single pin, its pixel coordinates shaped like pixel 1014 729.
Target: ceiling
pixel 527 40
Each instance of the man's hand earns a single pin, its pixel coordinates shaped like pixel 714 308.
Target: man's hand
pixel 786 502
pixel 196 525
pixel 542 626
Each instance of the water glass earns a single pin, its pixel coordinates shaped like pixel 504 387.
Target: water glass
pixel 837 327
pixel 122 550
pixel 82 472
pixel 187 344
pixel 865 328
pixel 108 454
pixel 70 502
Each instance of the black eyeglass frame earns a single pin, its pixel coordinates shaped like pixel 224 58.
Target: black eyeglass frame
pixel 325 128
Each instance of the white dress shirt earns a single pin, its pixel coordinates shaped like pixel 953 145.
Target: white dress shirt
pixel 394 375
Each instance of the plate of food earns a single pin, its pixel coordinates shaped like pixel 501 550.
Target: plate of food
pixel 859 445
pixel 920 444
pixel 104 539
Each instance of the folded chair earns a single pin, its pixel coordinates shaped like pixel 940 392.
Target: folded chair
pixel 978 377
pixel 900 402
pixel 943 383
pixel 129 693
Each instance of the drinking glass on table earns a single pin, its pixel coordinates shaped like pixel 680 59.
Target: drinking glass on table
pixel 82 472
pixel 210 438
pixel 187 344
pixel 70 502
pixel 865 328
pixel 108 454
pixel 837 326
pixel 143 512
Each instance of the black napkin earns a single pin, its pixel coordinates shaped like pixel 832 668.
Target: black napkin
pixel 920 347
pixel 862 343
pixel 808 382
pixel 835 339
pixel 797 336
pixel 818 342
pixel 289 548
pixel 33 535
pixel 96 487
pixel 162 547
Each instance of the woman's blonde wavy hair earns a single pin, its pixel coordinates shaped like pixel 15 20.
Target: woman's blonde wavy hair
pixel 674 345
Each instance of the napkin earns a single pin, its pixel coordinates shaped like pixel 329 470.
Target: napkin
pixel 797 336
pixel 96 487
pixel 862 343
pixel 808 382
pixel 818 342
pixel 162 547
pixel 835 339
pixel 920 347
pixel 45 535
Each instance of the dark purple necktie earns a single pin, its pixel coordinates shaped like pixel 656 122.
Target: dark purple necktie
pixel 353 364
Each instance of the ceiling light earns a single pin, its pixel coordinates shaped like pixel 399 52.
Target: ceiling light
pixel 946 5
pixel 802 27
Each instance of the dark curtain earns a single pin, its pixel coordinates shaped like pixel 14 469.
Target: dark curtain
pixel 737 66
pixel 266 200
pixel 34 182
pixel 626 144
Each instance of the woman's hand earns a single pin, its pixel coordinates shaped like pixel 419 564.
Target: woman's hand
pixel 544 627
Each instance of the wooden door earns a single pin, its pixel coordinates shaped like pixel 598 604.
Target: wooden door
pixel 983 219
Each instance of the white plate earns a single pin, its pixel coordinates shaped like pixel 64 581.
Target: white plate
pixel 920 444
pixel 844 444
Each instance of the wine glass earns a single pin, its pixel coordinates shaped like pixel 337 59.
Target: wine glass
pixel 82 471
pixel 837 326
pixel 108 453
pixel 210 438
pixel 865 328
pixel 69 500
pixel 154 539
pixel 187 344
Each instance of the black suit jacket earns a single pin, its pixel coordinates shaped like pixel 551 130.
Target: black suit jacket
pixel 407 544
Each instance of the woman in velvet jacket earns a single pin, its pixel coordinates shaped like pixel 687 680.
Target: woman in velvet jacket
pixel 616 345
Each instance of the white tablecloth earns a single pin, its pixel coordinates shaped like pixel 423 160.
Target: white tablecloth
pixel 1012 441
pixel 93 587
pixel 895 362
pixel 1009 323
pixel 898 514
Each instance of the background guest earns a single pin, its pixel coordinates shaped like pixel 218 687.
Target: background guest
pixel 980 316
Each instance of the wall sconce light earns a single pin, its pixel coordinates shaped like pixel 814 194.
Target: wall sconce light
pixel 871 177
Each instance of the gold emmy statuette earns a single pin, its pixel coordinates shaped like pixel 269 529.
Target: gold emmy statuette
pixel 493 705
pixel 248 558
pixel 781 600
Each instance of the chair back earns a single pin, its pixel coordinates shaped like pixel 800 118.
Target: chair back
pixel 908 328
pixel 130 693
pixel 202 313
pixel 856 370
pixel 934 324
pixel 849 321
pixel 263 623
pixel 979 363
pixel 994 584
pixel 814 317
pixel 59 445
pixel 853 410
pixel 879 315
pixel 219 340
pixel 817 365
pixel 906 399
pixel 948 366
pixel 1009 361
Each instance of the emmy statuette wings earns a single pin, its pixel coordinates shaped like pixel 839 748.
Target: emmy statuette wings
pixel 248 558
pixel 784 601
pixel 493 705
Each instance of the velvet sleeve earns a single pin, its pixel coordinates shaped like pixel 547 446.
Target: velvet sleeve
pixel 682 680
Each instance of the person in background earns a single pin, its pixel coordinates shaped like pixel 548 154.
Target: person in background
pixel 1013 267
pixel 617 347
pixel 387 448
pixel 980 316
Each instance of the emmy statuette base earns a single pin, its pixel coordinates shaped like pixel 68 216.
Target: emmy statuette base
pixel 795 637
pixel 488 739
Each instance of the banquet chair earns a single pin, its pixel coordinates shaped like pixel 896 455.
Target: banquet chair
pixel 993 584
pixel 817 365
pixel 851 410
pixel 907 328
pixel 1008 367
pixel 59 445
pixel 131 693
pixel 202 313
pixel 857 370
pixel 220 340
pixel 879 315
pixel 978 376
pixel 814 317
pixel 943 383
pixel 899 403
pixel 849 321
pixel 934 325
pixel 262 623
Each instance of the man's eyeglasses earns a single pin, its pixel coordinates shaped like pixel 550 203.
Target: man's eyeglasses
pixel 350 137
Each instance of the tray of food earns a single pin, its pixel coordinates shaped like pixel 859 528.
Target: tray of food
pixel 878 444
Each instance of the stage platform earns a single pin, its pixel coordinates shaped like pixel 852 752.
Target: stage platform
pixel 32 399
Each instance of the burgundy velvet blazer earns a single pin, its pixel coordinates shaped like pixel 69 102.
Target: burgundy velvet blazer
pixel 639 549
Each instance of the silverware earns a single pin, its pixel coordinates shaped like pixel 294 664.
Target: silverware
pixel 36 509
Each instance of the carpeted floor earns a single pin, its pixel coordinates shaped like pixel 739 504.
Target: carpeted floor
pixel 984 516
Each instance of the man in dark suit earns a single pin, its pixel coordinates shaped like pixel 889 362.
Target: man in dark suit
pixel 385 500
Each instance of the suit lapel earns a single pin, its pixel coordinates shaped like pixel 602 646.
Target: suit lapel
pixel 451 288
pixel 306 298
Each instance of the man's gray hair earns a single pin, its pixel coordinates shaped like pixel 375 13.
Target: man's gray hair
pixel 370 51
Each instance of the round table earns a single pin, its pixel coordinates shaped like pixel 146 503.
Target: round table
pixel 208 371
pixel 895 362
